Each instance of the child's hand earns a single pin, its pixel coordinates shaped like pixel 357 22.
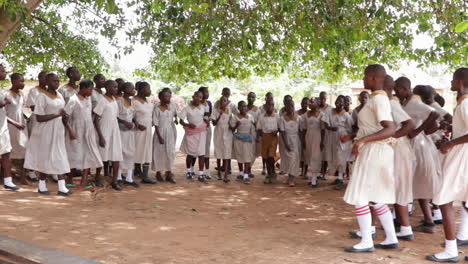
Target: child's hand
pixel 445 147
pixel 63 112
pixel 19 126
pixel 102 142
pixel 7 101
pixel 192 126
pixel 287 147
pixel 322 146
pixel 129 125
pixel 357 146
pixel 333 128
pixel 161 140
pixel 73 136
pixel 345 138
pixel 141 127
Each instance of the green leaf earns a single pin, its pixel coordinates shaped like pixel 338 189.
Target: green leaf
pixel 461 27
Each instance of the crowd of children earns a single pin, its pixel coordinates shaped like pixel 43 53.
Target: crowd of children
pixel 395 147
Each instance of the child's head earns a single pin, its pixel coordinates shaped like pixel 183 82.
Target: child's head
pixel 347 102
pixel 223 102
pixel 439 99
pixel 226 92
pixel 41 77
pixel 460 79
pixel 268 96
pixel 242 106
pixel 363 97
pixel 86 87
pixel 426 92
pixel 52 81
pixel 269 106
pixel 323 98
pixel 402 87
pixel 144 89
pixel 99 80
pixel 197 98
pixel 374 76
pixel 314 103
pixel 339 102
pixel 205 92
pixel 127 89
pixel 305 103
pixel 17 81
pixel 289 107
pixel 251 98
pixel 120 81
pixel 164 96
pixel 111 87
pixel 389 84
pixel 3 73
pixel 73 74
pixel 286 99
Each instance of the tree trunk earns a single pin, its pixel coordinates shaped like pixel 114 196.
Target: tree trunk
pixel 9 26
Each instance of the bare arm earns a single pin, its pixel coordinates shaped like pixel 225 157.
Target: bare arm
pixel 425 125
pixel 102 141
pixel 406 127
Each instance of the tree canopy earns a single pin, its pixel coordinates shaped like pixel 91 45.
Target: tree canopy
pixel 202 40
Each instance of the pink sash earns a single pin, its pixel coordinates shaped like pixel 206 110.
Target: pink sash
pixel 194 131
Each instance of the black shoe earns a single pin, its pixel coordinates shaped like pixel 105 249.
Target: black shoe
pixel 226 180
pixel 116 187
pixel 43 192
pixel 98 183
pixel 208 177
pixel 240 177
pixel 159 177
pixel 251 175
pixel 439 222
pixel 335 182
pixel 246 181
pixel 119 181
pixel 339 186
pixel 356 236
pixel 462 243
pixel 170 179
pixel 148 180
pixel 134 184
pixel 389 246
pixel 406 238
pixel 13 188
pixel 355 250
pixel 64 193
pixel 313 185
pixel 33 179
pixel 201 179
pixel 425 228
pixel 189 176
pixel 447 260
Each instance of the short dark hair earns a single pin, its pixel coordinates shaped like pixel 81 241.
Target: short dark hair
pixel 69 70
pixel 15 76
pixel 86 83
pixel 461 74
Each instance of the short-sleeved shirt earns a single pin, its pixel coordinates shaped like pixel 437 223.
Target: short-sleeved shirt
pixel 193 114
pixel 268 124
pixel 398 113
pixel 376 110
pixel 417 110
pixel 460 118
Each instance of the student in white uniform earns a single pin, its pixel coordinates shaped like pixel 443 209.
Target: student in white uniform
pixel 48 136
pixel 289 125
pixel 268 97
pixel 286 100
pixel 301 112
pixel 267 131
pixel 454 185
pixel 98 94
pixel 242 125
pixel 374 156
pixel 208 111
pixel 107 127
pixel 427 169
pixel 82 148
pixel 325 109
pixel 254 111
pixel 223 138
pixel 70 88
pixel 165 136
pixel 194 141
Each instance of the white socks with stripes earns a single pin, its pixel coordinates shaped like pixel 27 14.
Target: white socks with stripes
pixel 386 219
pixel 364 218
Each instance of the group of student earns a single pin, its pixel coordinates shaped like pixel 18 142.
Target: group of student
pixel 399 144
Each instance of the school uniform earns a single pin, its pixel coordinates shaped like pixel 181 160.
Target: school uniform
pixel 83 152
pixel 143 139
pixel 454 184
pixel 313 125
pixel 108 111
pixel 164 154
pixel 291 160
pixel 257 146
pixel 127 135
pixel 96 96
pixel 194 141
pixel 327 152
pixel 404 157
pixel 209 131
pixel 18 138
pixel 373 173
pixel 5 143
pixel 427 170
pixel 244 140
pixel 30 102
pixel 67 92
pixel 223 137
pixel 340 152
pixel 439 134
pixel 268 124
pixel 46 151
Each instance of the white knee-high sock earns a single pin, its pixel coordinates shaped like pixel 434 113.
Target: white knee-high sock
pixel 462 233
pixel 119 174
pixel 386 219
pixel 364 218
pixel 129 177
pixel 340 176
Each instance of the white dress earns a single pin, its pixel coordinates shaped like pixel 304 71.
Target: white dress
pixel 5 143
pixel 67 92
pixel 244 151
pixel 18 138
pixel 127 136
pixel 373 177
pixel 30 102
pixel 427 170
pixel 96 96
pixel 327 141
pixel 223 138
pixel 291 160
pixel 107 109
pixel 312 125
pixel 209 130
pixel 83 152
pixel 143 139
pixel 404 158
pixel 46 151
pixel 339 152
pixel 454 185
pixel 164 154
pixel 439 134
pixel 255 113
pixel 193 145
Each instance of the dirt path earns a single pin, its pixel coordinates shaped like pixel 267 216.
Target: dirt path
pixel 200 223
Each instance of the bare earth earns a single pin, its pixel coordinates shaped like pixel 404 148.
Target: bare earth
pixel 192 222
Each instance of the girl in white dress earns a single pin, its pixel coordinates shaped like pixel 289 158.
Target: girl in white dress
pixel 143 134
pixel 71 87
pixel 194 141
pixel 107 127
pixel 17 123
pixel 83 151
pixel 223 136
pixel 165 136
pixel 5 145
pixel 209 133
pixel 454 185
pixel 289 129
pixel 48 136
pixel 313 128
pixel 127 133
pixel 254 111
pixel 373 178
pixel 286 100
pixel 301 112
pixel 427 170
pixel 242 125
pixel 97 94
pixel 325 109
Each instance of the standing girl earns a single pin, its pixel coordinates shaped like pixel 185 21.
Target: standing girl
pixel 107 127
pixel 165 136
pixel 97 94
pixel 242 125
pixel 48 136
pixel 208 110
pixel 223 137
pixel 289 130
pixel 71 87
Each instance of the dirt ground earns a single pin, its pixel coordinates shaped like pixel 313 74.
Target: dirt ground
pixel 192 222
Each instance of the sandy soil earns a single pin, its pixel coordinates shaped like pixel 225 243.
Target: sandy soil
pixel 200 223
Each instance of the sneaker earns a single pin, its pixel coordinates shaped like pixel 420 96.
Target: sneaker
pixel 134 184
pixel 208 177
pixel 201 178
pixel 246 181
pixel 189 176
